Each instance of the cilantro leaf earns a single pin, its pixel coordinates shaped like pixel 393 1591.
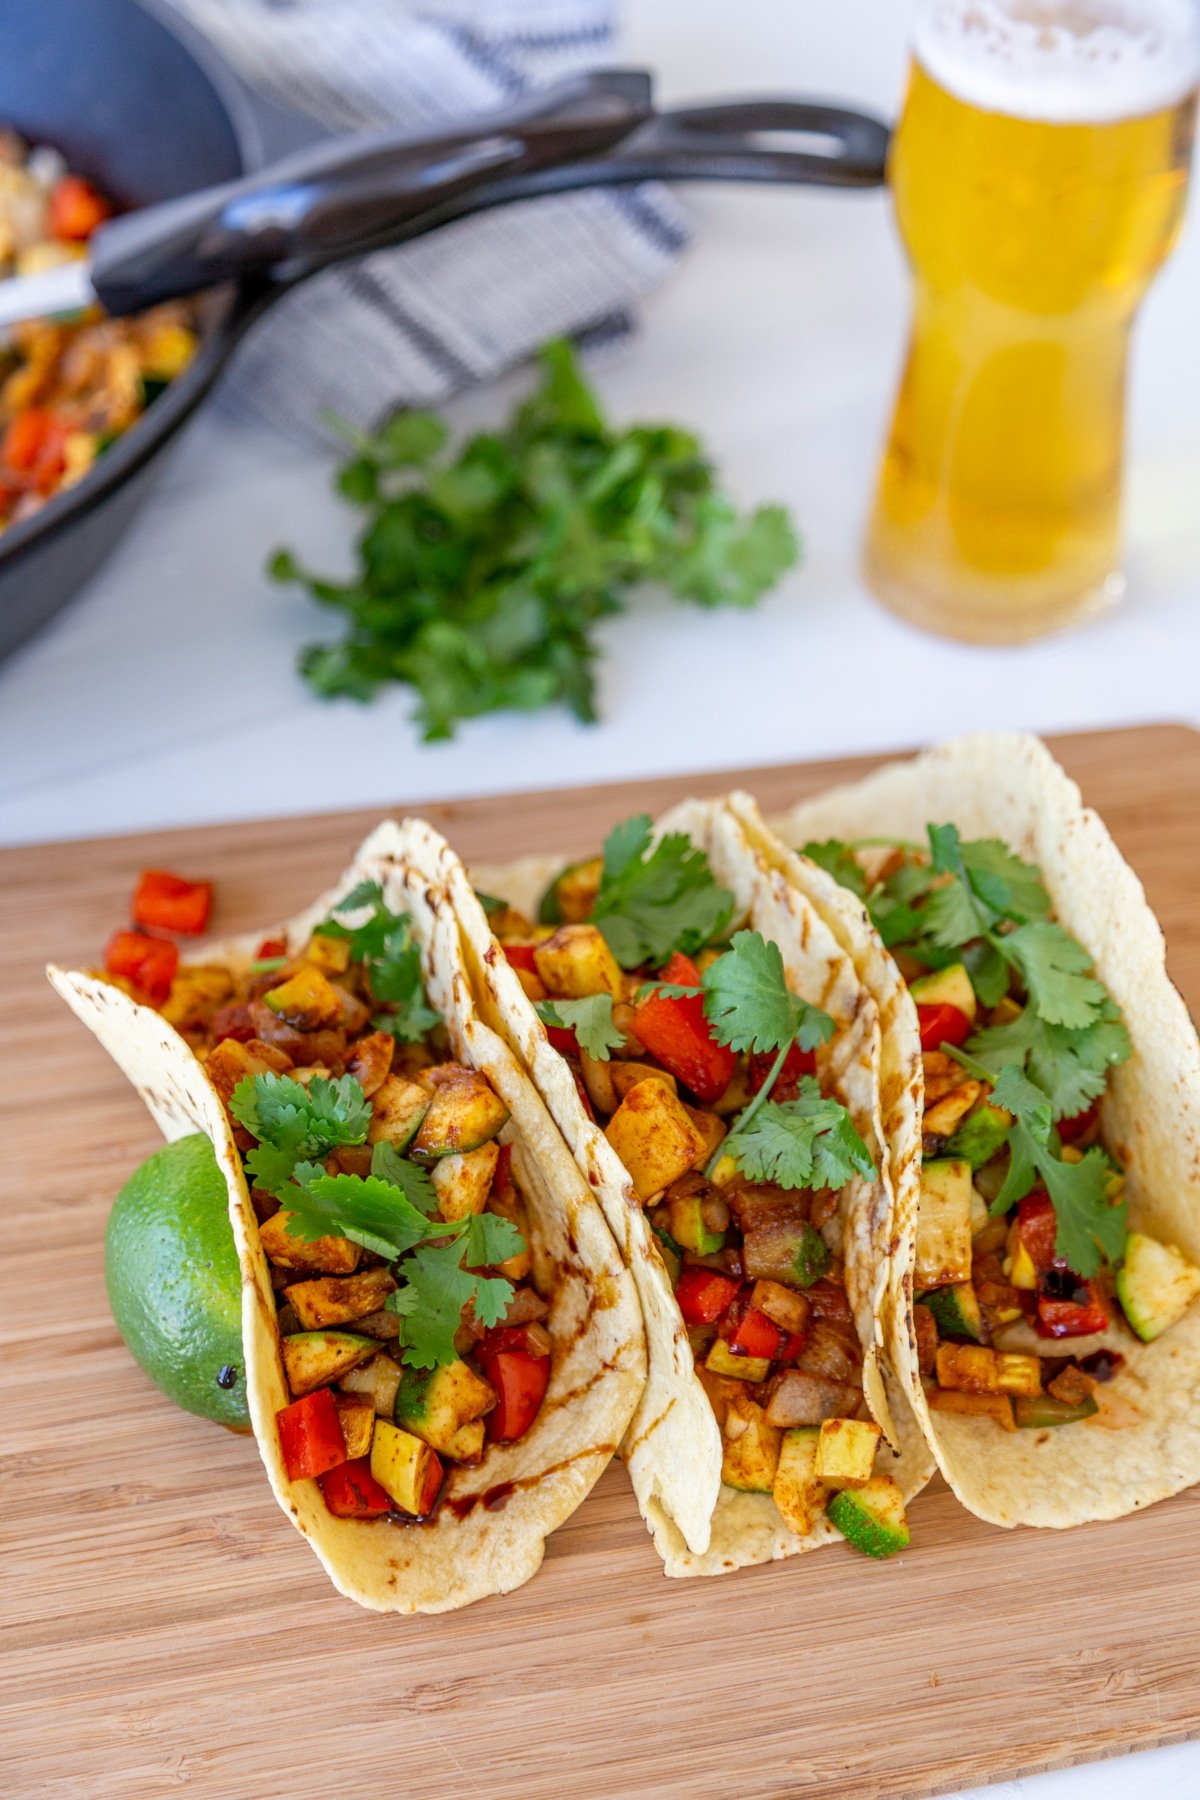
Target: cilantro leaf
pixel 655 899
pixel 491 903
pixel 412 1180
pixel 838 859
pixel 383 943
pixel 294 1123
pixel 364 1208
pixel 1089 1228
pixel 484 571
pixel 806 1142
pixel 988 884
pixel 591 1019
pixel 1057 972
pixel 749 1005
pixel 1070 1065
pixel 1010 887
pixel 437 1288
pixel 270 1167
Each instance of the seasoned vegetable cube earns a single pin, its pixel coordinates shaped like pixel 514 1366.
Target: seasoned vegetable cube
pixel 751 1448
pixel 980 1136
pixel 313 1358
pixel 572 895
pixel 464 1182
pixel 1155 1285
pixel 576 961
pixel 845 1452
pixel 335 1300
pixel 437 1403
pixel 397 1110
pixel 598 1080
pixel 956 1311
pixel 721 1360
pixel 626 1075
pixel 308 1000
pixel 872 1517
pixel 331 1255
pixel 654 1138
pixel 357 1415
pixel 944 1225
pixel 406 1468
pixel 331 955
pixel 997 1407
pixel 798 1493
pixel 973 1369
pixel 464 1112
pixel 379 1380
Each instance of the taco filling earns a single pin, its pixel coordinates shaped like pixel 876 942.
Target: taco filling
pixel 391 1217
pixel 699 1064
pixel 1030 1289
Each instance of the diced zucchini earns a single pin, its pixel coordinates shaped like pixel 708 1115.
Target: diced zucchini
pixel 329 1255
pixel 997 1407
pixel 576 961
pixel 944 1225
pixel 357 1416
pixel 406 1468
pixel 1035 1411
pixel 313 1358
pixel 379 1380
pixel 871 1517
pixel 956 1311
pixel 1155 1285
pixel 464 1113
pixel 654 1138
pixel 980 1136
pixel 721 1360
pixel 787 1250
pixel 626 1075
pixel 397 1109
pixel 750 1454
pixel 846 1451
pixel 340 1300
pixel 463 1182
pixel 950 986
pixel 436 1403
pixel 308 1000
pixel 688 1228
pixel 571 896
pixel 799 1495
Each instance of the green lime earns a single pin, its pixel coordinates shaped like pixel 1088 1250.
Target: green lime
pixel 174 1284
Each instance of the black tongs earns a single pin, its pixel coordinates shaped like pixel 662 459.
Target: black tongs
pixel 350 195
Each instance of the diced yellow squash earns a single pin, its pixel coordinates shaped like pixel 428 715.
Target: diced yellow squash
pixel 405 1466
pixel 378 1379
pixel 338 1300
pixel 626 1075
pixel 436 1403
pixel 195 991
pixel 724 1172
pixel 329 1255
pixel 797 1491
pixel 466 1446
pixel 712 1129
pixel 308 1000
pixel 509 1204
pixel 654 1138
pixel 397 1109
pixel 463 1182
pixel 997 1407
pixel 1018 1374
pixel 576 961
pixel 722 1361
pixel 974 1369
pixel 944 1225
pixel 357 1415
pixel 329 954
pixel 312 1359
pixel 845 1454
pixel 750 1453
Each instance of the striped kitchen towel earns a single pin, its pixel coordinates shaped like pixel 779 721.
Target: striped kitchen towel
pixel 412 325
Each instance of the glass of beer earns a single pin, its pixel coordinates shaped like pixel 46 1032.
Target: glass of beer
pixel 1039 172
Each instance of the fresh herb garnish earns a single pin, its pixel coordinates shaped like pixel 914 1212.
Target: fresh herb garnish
pixel 483 577
pixel 491 903
pixel 808 1142
pixel 749 1005
pixel 655 899
pixel 591 1019
pixel 383 943
pixel 1070 1066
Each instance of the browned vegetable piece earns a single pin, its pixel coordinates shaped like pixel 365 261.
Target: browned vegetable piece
pixel 308 1000
pixel 751 1448
pixel 464 1112
pixel 654 1138
pixel 1071 1385
pixel 783 1305
pixel 942 1119
pixel 303 1047
pixel 329 954
pixel 974 1369
pixel 370 1060
pixel 356 1413
pixel 626 1075
pixel 797 1398
pixel 340 1300
pixel 985 1406
pixel 463 1182
pixel 195 994
pixel 711 1129
pixel 598 1080
pixel 229 1062
pixel 331 1255
pixel 507 1203
pixel 383 1325
pixel 397 1109
pixel 721 1389
pixel 350 1159
pixel 832 1351
pixel 925 1327
pixel 576 961
pixel 379 1379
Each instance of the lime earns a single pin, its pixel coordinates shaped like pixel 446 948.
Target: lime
pixel 174 1283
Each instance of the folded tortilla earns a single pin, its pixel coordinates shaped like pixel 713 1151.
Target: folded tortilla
pixel 673 1447
pixel 1144 1444
pixel 599 1359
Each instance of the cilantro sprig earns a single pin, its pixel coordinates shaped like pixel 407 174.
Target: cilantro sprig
pixel 392 1211
pixel 655 898
pixel 591 1019
pixel 483 575
pixel 384 944
pixel 806 1142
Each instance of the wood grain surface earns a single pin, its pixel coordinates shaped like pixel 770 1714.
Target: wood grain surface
pixel 165 1630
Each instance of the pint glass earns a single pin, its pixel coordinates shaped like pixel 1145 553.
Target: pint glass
pixel 1039 171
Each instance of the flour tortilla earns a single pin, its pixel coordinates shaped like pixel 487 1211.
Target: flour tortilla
pixel 673 1449
pixel 599 1354
pixel 1145 1443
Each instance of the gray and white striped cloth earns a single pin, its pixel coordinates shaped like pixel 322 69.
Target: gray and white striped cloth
pixel 411 326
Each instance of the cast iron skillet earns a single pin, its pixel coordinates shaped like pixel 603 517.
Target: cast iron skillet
pixel 146 109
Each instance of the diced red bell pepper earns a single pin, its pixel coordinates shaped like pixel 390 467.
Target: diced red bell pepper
pixel 792 1345
pixel 679 1035
pixel 352 1492
pixel 703 1295
pixel 563 1039
pixel 310 1435
pixel 502 1173
pixel 520 1382
pixel 521 956
pixel 1072 1317
pixel 749 1332
pixel 147 963
pixel 942 1024
pixel 1075 1127
pixel 1037 1225
pixel 76 209
pixel 25 439
pixel 166 902
pixel 796 1064
pixel 502 1338
pixel 269 949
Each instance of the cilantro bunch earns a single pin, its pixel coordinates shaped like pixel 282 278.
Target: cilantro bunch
pixel 657 898
pixel 383 943
pixel 392 1211
pixel 483 575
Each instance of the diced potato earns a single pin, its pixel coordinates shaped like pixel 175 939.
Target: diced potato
pixel 626 1075
pixel 313 1358
pixel 598 1080
pixel 944 1225
pixel 329 954
pixel 721 1389
pixel 576 961
pixel 750 1455
pixel 397 1108
pixel 229 1062
pixel 195 992
pixel 722 1361
pixel 845 1454
pixel 654 1138
pixel 782 1305
pixel 329 1255
pixel 357 1415
pixel 370 1062
pixel 378 1379
pixel 464 1182
pixel 797 1491
pixel 712 1129
pixel 997 1407
pixel 308 1000
pixel 942 1119
pixel 464 1112
pixel 340 1301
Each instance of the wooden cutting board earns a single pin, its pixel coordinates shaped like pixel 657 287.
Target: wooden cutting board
pixel 165 1629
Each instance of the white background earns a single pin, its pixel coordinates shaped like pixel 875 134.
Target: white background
pixel 167 693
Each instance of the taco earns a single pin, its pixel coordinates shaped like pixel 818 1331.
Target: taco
pixel 710 1056
pixel 443 1347
pixel 1042 1109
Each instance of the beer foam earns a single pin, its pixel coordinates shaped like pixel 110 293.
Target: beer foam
pixel 1062 61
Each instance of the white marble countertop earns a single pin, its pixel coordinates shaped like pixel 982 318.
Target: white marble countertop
pixel 167 693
